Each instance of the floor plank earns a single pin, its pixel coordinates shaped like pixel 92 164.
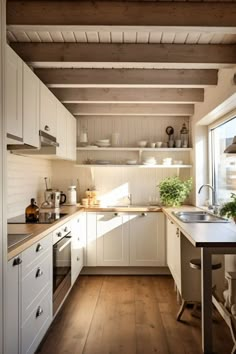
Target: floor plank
pixel 127 315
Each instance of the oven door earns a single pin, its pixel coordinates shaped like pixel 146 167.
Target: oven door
pixel 61 270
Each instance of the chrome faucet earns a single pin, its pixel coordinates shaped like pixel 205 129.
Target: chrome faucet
pixel 214 205
pixel 130 198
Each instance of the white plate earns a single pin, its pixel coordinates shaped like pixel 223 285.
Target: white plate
pixel 149 163
pixel 131 162
pixel 103 145
pixel 102 162
pixel 103 141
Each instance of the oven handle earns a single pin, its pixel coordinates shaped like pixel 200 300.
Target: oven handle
pixel 65 244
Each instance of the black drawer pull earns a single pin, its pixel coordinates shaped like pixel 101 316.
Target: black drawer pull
pixel 17 261
pixel 39 248
pixel 39 312
pixel 39 273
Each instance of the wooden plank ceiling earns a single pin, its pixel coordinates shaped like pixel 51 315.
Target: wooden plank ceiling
pixel 125 57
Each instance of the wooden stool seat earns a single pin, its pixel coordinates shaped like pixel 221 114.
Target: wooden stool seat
pixel 196 264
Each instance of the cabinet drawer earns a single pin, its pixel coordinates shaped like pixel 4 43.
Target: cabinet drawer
pixel 37 324
pixel 36 283
pixel 34 253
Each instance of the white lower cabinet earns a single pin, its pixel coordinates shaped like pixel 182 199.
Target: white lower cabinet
pixel 78 226
pixel 173 251
pixel 29 297
pixel 12 303
pixel 112 239
pixel 179 252
pixel 147 239
pixel 125 239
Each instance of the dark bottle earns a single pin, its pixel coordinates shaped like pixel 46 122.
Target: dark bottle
pixel 32 212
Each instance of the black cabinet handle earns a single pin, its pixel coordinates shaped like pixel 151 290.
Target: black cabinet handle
pixel 17 261
pixel 39 273
pixel 78 259
pixel 39 311
pixel 47 128
pixel 39 247
pixel 144 214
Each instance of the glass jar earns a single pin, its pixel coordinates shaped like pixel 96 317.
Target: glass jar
pixel 184 136
pixel 32 212
pixel 71 195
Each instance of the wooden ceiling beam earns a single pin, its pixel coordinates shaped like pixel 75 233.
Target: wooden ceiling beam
pixel 127 77
pixel 121 13
pixel 130 109
pixel 129 95
pixel 164 54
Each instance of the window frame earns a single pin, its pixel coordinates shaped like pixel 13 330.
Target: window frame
pixel 224 119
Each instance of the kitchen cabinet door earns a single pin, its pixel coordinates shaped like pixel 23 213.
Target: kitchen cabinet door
pixel 14 86
pixel 13 296
pixel 48 111
pixel 61 150
pixel 77 245
pixel 147 239
pixel 71 137
pixel 30 107
pixel 112 239
pixel 91 240
pixel 174 252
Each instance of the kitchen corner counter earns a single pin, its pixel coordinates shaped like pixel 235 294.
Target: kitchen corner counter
pixel 38 231
pixel 130 208
pixel 204 234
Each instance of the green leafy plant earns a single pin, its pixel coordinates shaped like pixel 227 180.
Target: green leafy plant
pixel 173 191
pixel 229 209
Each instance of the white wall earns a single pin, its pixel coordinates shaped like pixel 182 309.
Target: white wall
pixel 113 183
pixel 25 181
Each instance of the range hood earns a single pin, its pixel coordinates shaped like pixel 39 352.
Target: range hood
pixel 45 141
pixel 231 149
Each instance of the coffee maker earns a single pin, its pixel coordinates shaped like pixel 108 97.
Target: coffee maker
pixel 55 198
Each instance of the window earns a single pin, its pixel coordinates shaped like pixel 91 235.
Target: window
pixel 223 165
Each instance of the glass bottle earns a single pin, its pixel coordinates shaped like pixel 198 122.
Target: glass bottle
pixel 184 136
pixel 32 211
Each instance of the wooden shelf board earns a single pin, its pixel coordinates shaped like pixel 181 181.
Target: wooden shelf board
pixel 131 149
pixel 139 166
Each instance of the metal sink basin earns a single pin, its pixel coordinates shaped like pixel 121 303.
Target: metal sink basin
pixel 198 217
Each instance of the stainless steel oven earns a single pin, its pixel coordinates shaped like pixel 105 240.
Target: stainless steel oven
pixel 61 265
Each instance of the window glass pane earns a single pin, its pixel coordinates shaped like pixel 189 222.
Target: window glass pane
pixel 224 165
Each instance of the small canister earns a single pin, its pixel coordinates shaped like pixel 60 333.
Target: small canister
pixel 71 195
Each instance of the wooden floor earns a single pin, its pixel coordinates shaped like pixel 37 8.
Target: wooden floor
pixel 127 315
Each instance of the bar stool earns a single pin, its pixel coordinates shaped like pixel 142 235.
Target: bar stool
pixel 195 264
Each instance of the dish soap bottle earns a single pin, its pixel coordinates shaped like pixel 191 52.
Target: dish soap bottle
pixel 32 212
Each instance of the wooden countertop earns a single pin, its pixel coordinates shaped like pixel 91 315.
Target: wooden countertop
pixel 39 231
pixel 204 234
pixel 199 234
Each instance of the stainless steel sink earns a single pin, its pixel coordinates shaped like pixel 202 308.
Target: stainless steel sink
pixel 198 217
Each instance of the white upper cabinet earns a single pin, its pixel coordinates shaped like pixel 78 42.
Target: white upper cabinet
pixel 14 68
pixel 71 136
pixel 30 107
pixel 48 111
pixel 147 239
pixel 61 131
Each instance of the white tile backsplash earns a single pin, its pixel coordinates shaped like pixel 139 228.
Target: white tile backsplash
pixel 111 181
pixel 25 181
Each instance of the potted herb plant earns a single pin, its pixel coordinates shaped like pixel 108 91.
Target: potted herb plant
pixel 229 209
pixel 174 191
